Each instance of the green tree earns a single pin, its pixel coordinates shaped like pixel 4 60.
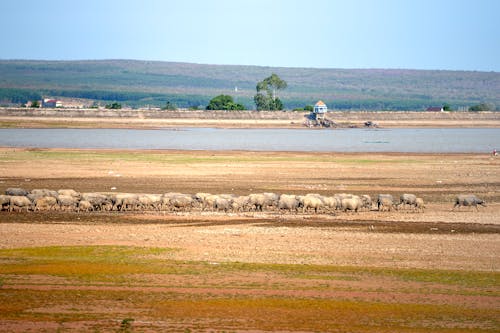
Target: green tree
pixel 35 104
pixel 275 83
pixel 276 104
pixel 481 107
pixel 113 106
pixel 262 101
pixel 309 108
pixel 266 98
pixel 224 102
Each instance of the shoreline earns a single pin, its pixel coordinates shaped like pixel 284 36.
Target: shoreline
pixel 216 152
pixel 147 119
pixel 91 123
pixel 264 153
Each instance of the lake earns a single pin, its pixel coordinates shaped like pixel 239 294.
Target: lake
pixel 418 140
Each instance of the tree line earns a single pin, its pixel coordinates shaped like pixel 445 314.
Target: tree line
pixel 266 98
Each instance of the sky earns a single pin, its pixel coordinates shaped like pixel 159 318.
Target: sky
pixel 410 34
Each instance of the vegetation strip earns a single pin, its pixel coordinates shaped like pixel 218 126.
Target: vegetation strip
pixel 100 283
pixel 97 262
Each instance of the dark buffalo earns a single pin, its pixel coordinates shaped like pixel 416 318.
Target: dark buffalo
pixel 468 200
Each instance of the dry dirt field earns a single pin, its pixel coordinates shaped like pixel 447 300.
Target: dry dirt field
pixel 399 271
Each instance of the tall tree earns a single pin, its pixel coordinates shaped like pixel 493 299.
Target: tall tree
pixel 262 101
pixel 266 98
pixel 275 83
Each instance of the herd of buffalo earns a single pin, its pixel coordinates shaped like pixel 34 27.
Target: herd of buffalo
pixel 18 199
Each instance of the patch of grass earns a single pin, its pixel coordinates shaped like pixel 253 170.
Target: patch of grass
pixel 251 312
pixel 112 262
pixel 84 253
pixel 89 263
pixel 43 123
pixel 9 124
pixel 165 158
pixel 186 158
pixel 375 161
pixel 277 313
pixel 330 277
pixel 37 155
pixel 469 279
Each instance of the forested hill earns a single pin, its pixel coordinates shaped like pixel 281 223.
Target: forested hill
pixel 139 83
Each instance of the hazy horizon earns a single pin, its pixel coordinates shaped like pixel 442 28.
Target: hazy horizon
pixel 238 65
pixel 362 34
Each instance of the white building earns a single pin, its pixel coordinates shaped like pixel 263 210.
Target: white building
pixel 320 108
pixel 51 103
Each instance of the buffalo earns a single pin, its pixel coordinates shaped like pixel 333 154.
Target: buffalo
pixel 468 200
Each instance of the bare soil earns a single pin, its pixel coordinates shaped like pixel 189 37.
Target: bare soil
pixel 438 239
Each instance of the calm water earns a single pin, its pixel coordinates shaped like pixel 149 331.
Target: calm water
pixel 443 140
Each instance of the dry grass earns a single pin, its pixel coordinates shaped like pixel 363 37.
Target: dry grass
pixel 229 296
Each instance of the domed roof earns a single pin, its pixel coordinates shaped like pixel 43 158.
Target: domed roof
pixel 320 103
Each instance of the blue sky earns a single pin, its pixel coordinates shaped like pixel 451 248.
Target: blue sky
pixel 419 34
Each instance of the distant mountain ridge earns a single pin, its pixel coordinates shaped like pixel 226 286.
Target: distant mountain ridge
pixel 139 83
